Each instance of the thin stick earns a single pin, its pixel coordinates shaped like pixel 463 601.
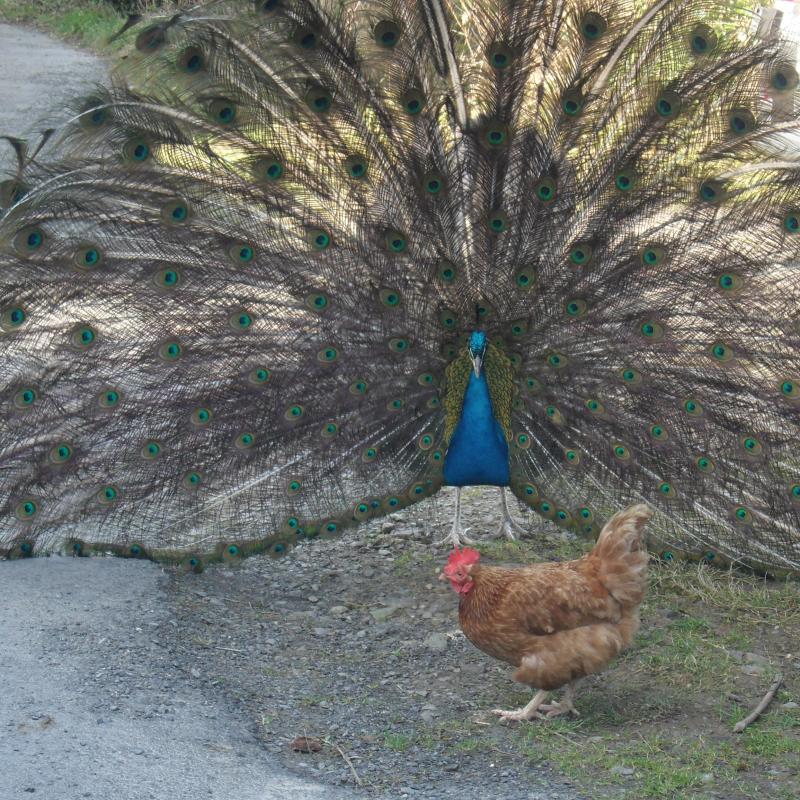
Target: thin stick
pixel 347 760
pixel 759 709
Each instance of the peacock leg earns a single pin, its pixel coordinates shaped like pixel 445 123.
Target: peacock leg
pixel 458 535
pixel 530 711
pixel 507 526
pixel 563 706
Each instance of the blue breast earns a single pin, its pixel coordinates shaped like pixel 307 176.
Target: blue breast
pixel 478 451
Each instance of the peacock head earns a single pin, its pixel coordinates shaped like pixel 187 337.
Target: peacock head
pixel 477 347
pixel 458 569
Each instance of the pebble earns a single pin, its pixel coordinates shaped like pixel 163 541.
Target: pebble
pixel 435 642
pixel 383 613
pixel 752 669
pixel 618 769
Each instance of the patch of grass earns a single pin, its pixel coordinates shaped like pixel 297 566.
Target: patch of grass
pixel 410 562
pixel 89 23
pixel 531 550
pixel 398 742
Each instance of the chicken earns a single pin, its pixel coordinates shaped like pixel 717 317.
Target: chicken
pixel 556 622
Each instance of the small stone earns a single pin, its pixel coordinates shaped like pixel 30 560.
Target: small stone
pixel 194 672
pixel 752 669
pixel 338 610
pixel 384 552
pixel 706 777
pixel 383 613
pixel 312 598
pixel 320 632
pixel 755 658
pixel 620 770
pixel 435 642
pixel 790 704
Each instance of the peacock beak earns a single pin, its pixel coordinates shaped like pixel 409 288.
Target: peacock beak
pixel 477 361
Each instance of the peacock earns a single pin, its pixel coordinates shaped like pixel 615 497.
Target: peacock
pixel 304 262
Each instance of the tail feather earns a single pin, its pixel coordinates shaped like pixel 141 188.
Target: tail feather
pixel 622 555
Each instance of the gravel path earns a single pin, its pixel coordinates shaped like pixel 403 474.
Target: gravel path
pixel 120 680
pixel 93 704
pixel 39 75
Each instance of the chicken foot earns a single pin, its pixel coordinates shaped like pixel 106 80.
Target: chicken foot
pixel 530 711
pixel 564 706
pixel 536 706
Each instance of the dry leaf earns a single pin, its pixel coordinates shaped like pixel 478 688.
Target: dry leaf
pixel 305 744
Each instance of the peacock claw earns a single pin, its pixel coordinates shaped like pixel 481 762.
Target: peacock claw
pixel 456 538
pixel 506 530
pixel 508 526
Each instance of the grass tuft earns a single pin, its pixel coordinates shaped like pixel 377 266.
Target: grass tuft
pixel 87 23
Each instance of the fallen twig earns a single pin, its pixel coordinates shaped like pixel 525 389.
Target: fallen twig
pixel 759 709
pixel 347 760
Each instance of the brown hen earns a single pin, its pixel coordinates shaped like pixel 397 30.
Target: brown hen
pixel 556 622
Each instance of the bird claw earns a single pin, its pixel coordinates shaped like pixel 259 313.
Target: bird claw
pixel 506 530
pixel 456 538
pixel 557 709
pixel 518 716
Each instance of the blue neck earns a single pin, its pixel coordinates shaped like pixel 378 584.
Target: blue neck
pixel 478 451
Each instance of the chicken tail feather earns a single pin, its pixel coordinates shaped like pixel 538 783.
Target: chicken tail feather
pixel 622 554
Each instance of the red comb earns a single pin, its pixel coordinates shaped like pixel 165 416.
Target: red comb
pixel 463 557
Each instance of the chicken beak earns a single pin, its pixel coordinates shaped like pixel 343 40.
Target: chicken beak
pixel 442 576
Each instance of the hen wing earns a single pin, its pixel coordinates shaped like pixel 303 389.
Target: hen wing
pixel 543 599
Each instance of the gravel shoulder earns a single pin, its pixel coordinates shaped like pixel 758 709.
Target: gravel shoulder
pixel 94 704
pixel 353 642
pixel 39 76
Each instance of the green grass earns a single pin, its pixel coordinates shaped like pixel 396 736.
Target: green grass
pixel 398 742
pixel 88 23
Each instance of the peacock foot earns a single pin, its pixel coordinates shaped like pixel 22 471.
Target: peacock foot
pixel 508 526
pixel 456 538
pixel 507 529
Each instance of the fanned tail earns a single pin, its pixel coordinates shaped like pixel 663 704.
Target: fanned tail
pixel 235 299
